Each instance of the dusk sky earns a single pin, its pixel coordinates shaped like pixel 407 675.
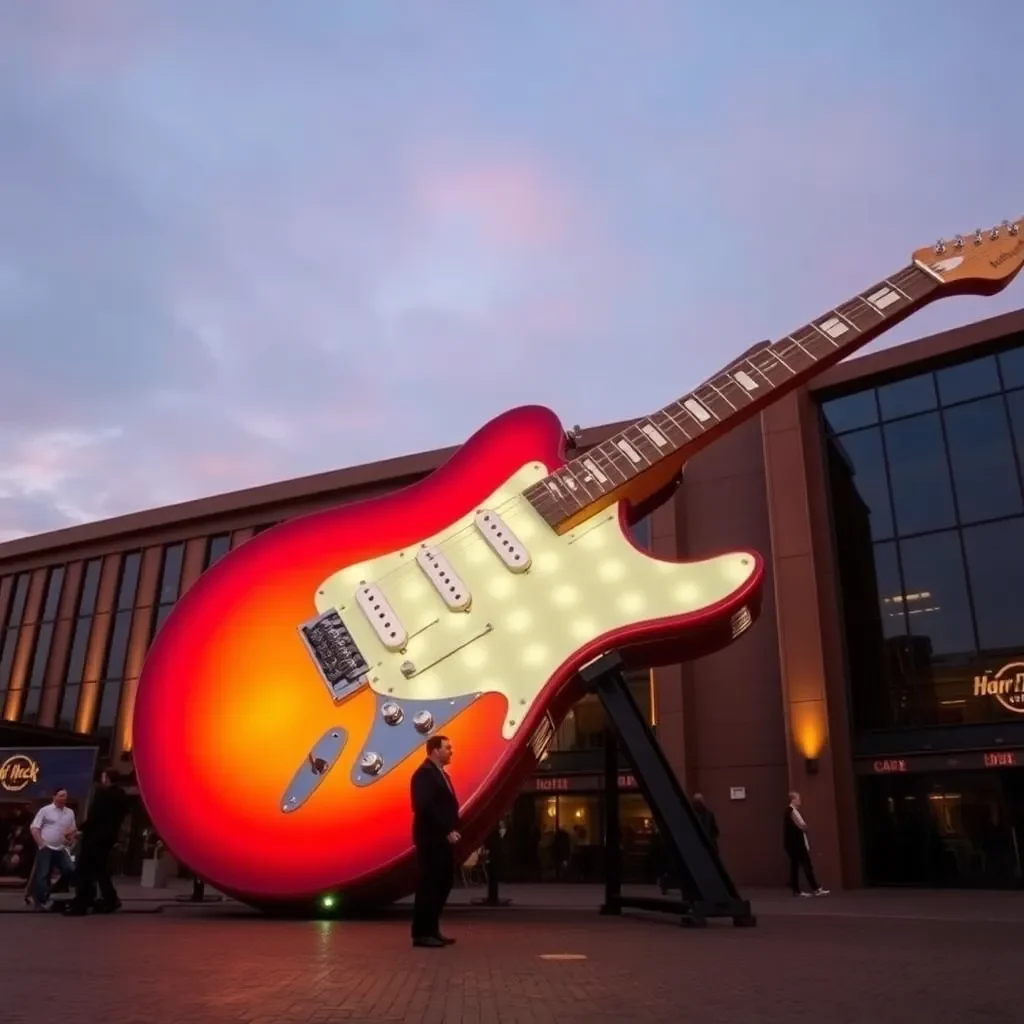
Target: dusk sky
pixel 247 241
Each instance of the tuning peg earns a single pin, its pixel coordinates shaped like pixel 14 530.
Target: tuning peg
pixel 994 234
pixel 977 237
pixel 958 242
pixel 940 247
pixel 1012 229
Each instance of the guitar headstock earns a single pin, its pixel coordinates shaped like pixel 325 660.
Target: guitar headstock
pixel 981 263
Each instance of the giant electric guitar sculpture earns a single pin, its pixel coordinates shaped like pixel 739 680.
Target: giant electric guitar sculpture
pixel 285 702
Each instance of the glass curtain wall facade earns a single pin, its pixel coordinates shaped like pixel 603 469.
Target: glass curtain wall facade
pixel 927 487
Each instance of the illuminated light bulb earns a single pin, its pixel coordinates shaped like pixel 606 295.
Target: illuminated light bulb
pixel 518 619
pixel 584 629
pixel 565 595
pixel 525 528
pixel 686 593
pixel 414 590
pixel 546 561
pixel 476 553
pixel 474 656
pixel 501 586
pixel 535 654
pixel 611 570
pixel 327 902
pixel 632 603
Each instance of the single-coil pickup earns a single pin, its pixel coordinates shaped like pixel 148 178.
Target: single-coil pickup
pixel 446 581
pixel 505 543
pixel 374 605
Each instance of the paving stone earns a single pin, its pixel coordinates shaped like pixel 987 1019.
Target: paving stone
pixel 846 962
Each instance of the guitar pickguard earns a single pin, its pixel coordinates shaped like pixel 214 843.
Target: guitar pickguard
pixel 495 604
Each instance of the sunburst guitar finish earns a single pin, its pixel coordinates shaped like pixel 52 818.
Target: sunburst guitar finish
pixel 217 747
pixel 285 703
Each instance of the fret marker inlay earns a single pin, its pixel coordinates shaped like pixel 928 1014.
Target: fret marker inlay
pixel 629 451
pixel 883 298
pixel 700 414
pixel 745 381
pixel 591 466
pixel 834 327
pixel 655 435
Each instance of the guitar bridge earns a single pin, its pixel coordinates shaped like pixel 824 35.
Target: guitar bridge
pixel 339 661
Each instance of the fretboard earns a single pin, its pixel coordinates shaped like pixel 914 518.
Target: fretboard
pixel 741 390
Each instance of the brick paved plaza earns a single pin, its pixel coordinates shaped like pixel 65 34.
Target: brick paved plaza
pixel 857 958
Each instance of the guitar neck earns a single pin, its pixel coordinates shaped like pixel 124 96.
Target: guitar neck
pixel 625 464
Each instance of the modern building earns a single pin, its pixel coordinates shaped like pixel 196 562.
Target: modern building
pixel 884 679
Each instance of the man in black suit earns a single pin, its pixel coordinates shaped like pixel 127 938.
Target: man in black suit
pixel 435 831
pixel 99 834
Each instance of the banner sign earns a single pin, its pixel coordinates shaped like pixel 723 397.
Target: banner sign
pixel 30 775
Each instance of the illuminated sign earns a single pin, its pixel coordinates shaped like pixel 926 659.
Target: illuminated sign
pixel 18 772
pixel 579 783
pixel 1001 759
pixel 890 765
pixel 29 775
pixel 551 785
pixel 1006 685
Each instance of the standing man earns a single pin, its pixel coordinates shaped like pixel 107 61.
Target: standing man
pixel 53 829
pixel 797 841
pixel 435 825
pixel 99 834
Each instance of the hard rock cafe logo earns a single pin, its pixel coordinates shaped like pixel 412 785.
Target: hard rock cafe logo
pixel 19 771
pixel 1006 685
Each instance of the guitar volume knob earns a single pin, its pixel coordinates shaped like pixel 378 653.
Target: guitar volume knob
pixel 392 713
pixel 423 722
pixel 371 763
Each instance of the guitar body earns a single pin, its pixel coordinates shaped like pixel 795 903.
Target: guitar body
pixel 231 703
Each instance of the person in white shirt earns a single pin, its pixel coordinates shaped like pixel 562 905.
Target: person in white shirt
pixel 53 829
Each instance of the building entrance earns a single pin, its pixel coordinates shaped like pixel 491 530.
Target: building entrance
pixel 944 829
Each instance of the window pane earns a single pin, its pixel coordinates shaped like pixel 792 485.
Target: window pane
pixel 17 608
pixel 118 649
pixel 9 640
pixel 109 702
pixel 129 580
pixel 981 457
pixel 851 411
pixel 1011 363
pixel 90 587
pixel 170 574
pixel 921 487
pixel 41 655
pixel 79 645
pixel 873 612
pixel 69 706
pixel 859 485
pixel 162 614
pixel 906 397
pixel 975 379
pixel 54 586
pixel 218 547
pixel 995 561
pixel 938 612
pixel 1015 402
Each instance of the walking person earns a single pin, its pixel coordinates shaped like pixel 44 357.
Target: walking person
pixel 99 834
pixel 53 830
pixel 798 848
pixel 435 825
